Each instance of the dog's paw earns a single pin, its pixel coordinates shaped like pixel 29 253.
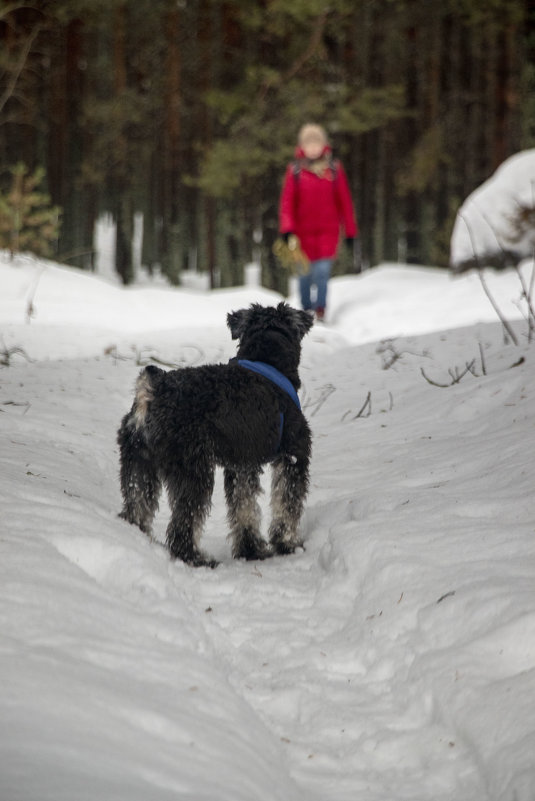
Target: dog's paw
pixel 260 553
pixel 283 539
pixel 181 548
pixel 251 547
pixel 284 548
pixel 129 518
pixel 204 561
pixel 201 561
pixel 196 559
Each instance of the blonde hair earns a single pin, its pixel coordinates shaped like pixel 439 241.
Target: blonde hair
pixel 311 132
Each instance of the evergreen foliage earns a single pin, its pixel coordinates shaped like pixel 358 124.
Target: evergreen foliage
pixel 188 113
pixel 28 221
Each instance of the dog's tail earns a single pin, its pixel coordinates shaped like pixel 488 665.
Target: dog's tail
pixel 145 387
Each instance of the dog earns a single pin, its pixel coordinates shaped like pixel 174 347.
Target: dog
pixel 239 416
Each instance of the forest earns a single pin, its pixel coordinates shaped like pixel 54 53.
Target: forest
pixel 186 112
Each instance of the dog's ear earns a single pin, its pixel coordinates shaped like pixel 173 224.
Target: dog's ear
pixel 304 322
pixel 237 322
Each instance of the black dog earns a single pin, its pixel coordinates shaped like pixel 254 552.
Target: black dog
pixel 240 416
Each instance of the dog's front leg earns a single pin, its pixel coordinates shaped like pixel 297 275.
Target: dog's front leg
pixel 289 488
pixel 242 487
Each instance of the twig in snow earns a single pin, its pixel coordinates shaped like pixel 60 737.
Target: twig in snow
pixel 144 356
pixel 367 405
pixel 496 308
pixel 143 361
pixel 25 404
pixel 112 351
pixel 479 268
pixel 30 307
pixel 482 357
pixel 455 373
pixel 527 295
pixel 388 350
pixel 326 391
pixel 519 362
pixel 7 353
pixel 366 408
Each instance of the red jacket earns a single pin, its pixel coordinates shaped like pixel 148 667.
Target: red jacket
pixel 316 208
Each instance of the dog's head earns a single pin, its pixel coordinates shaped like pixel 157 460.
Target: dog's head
pixel 270 334
pixel 264 318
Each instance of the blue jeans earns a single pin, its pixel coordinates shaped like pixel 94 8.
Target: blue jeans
pixel 318 276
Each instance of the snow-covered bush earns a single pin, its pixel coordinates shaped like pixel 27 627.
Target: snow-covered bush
pixel 495 228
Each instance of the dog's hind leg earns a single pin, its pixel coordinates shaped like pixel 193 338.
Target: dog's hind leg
pixel 189 498
pixel 140 484
pixel 289 487
pixel 242 487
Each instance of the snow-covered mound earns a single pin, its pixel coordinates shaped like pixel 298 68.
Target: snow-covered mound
pixel 42 303
pixel 484 231
pixel 393 659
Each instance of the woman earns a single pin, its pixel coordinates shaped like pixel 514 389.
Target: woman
pixel 315 205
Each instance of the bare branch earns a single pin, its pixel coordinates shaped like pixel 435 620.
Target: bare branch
pixel 8 9
pixel 482 357
pixel 327 390
pixel 455 374
pixel 387 348
pixel 496 308
pixel 430 380
pixel 7 353
pixel 479 268
pixel 18 67
pixel 313 44
pixel 526 293
pixel 367 405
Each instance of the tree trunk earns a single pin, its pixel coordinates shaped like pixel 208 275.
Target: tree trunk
pixel 171 246
pixel 123 212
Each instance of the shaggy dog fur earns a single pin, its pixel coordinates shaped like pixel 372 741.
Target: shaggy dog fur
pixel 185 422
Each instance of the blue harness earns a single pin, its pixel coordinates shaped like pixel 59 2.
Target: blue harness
pixel 277 378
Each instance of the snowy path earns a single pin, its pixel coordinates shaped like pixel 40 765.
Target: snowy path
pixel 394 658
pixel 391 660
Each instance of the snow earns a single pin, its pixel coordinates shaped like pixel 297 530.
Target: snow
pixel 391 660
pixel 483 223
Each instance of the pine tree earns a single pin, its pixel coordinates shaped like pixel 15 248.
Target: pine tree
pixel 28 220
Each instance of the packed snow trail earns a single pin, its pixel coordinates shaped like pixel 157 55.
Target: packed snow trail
pixel 391 660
